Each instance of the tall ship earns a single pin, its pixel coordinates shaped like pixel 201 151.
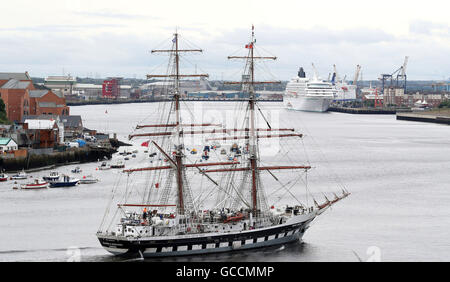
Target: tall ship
pixel 312 95
pixel 189 205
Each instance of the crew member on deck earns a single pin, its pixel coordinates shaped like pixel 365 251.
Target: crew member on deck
pixel 144 214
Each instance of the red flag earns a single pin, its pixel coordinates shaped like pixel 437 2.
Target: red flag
pixel 156 185
pixel 144 144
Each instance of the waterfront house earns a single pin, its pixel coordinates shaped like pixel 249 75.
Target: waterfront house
pixel 7 145
pixel 46 133
pixel 51 118
pixel 73 126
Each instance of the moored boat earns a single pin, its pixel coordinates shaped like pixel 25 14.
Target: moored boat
pixel 19 176
pixel 76 170
pixel 52 176
pixel 64 181
pixel 104 166
pixel 304 94
pixel 36 184
pixel 3 177
pixel 118 164
pixel 88 180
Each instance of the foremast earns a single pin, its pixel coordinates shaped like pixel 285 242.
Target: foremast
pixel 178 161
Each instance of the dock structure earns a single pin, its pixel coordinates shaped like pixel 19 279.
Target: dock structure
pixel 363 111
pixel 422 117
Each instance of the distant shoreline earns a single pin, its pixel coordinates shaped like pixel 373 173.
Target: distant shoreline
pixel 112 102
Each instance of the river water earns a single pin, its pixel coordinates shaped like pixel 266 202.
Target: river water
pixel 397 171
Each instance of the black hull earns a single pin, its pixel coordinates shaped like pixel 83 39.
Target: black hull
pixel 209 243
pixel 63 184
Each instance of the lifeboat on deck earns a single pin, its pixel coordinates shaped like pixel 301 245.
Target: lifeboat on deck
pixel 238 217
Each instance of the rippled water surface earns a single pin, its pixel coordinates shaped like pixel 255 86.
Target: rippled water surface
pixel 398 173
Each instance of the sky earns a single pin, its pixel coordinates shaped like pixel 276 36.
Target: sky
pixel 114 38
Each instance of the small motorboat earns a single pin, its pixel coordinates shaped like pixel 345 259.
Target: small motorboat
pixel 3 177
pixel 223 152
pixel 118 164
pixel 135 151
pixel 126 158
pixel 53 176
pixel 104 166
pixel 88 180
pixel 19 176
pixel 65 181
pixel 36 184
pixel 133 156
pixel 76 170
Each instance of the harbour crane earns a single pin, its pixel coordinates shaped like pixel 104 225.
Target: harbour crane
pixel 400 78
pixel 316 76
pixel 355 79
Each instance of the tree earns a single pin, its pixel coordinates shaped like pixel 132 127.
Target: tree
pixel 3 118
pixel 2 106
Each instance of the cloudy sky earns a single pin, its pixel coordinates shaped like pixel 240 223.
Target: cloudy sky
pixel 113 38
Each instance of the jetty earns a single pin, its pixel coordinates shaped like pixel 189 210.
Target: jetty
pixel 436 116
pixel 363 111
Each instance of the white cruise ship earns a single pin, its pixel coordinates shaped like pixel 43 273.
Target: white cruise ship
pixel 306 94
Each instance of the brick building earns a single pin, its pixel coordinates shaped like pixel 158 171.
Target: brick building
pixel 15 95
pixel 46 102
pixel 397 97
pixel 21 98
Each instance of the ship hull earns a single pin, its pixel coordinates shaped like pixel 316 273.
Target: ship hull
pixel 63 184
pixel 308 103
pixel 207 243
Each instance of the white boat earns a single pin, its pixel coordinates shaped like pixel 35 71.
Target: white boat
pixel 36 184
pixel 104 166
pixel 118 164
pixel 304 94
pixel 88 180
pixel 52 176
pixel 76 170
pixel 19 176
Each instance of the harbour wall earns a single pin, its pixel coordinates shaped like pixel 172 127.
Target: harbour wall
pixel 76 155
pixel 362 111
pixel 424 118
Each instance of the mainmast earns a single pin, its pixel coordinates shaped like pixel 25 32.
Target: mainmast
pixel 252 138
pixel 178 162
